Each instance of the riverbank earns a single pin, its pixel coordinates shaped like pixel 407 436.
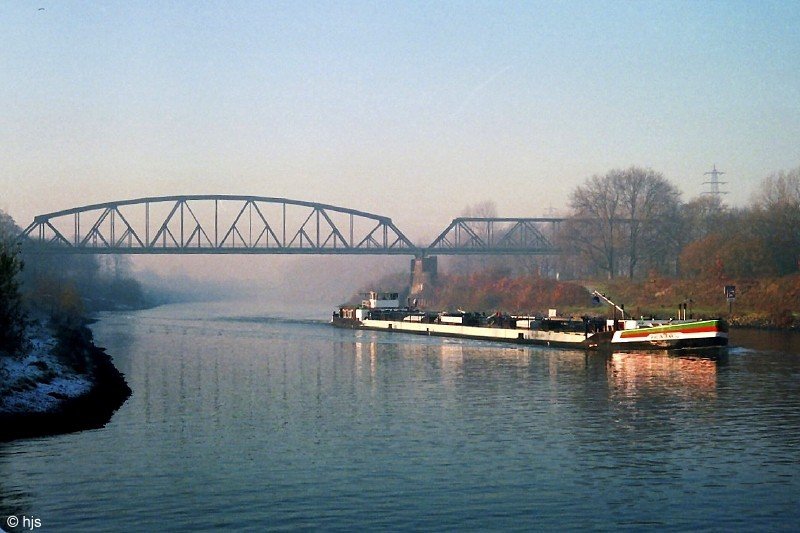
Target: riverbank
pixel 764 303
pixel 62 383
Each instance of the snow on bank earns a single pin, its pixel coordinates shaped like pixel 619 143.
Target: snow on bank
pixel 38 382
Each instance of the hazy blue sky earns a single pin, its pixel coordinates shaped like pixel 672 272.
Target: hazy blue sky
pixel 412 109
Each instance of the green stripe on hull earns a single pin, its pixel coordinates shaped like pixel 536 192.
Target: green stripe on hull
pixel 684 328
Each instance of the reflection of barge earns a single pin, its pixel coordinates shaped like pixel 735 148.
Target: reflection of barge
pixel 382 312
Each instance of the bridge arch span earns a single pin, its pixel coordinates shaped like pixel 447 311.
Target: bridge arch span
pixel 218 224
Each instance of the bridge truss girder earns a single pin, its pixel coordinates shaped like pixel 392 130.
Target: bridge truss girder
pixel 217 224
pixel 497 236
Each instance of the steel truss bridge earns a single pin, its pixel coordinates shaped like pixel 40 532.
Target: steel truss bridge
pixel 228 224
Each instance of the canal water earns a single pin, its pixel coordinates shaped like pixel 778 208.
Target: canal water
pixel 244 418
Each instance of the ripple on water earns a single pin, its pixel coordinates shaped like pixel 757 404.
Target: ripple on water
pixel 259 422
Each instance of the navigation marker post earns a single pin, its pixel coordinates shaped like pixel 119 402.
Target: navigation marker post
pixel 730 295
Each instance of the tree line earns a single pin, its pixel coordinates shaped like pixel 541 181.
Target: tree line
pixel 631 222
pixel 59 286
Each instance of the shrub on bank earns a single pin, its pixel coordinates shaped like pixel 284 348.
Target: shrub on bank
pixel 490 291
pixel 12 316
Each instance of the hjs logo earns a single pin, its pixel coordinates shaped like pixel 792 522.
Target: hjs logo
pixel 26 522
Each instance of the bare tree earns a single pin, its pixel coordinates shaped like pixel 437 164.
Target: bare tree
pixel 618 219
pixel 776 214
pixel 485 209
pixel 650 204
pixel 593 227
pixel 468 264
pixel 780 188
pixel 700 217
pixel 12 315
pixel 8 228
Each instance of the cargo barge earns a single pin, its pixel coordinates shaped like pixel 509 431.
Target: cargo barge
pixel 383 312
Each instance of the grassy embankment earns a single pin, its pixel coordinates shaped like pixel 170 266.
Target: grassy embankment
pixel 765 302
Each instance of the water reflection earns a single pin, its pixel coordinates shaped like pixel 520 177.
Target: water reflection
pixel 366 354
pixel 15 498
pixel 301 426
pixel 442 360
pixel 647 374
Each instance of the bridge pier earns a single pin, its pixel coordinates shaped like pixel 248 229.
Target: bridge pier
pixel 424 273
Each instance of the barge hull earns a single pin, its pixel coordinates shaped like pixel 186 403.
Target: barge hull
pixel 605 341
pixel 506 335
